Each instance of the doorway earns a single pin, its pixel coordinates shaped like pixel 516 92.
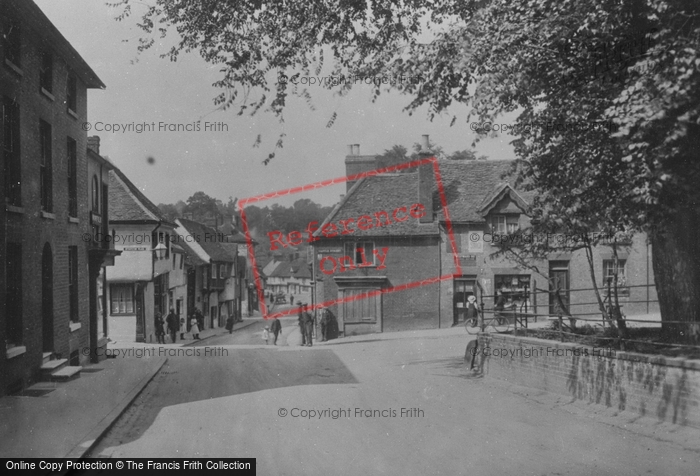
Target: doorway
pixel 559 280
pixel 47 298
pixel 463 288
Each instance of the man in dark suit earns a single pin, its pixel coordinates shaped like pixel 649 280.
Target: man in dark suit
pixel 308 327
pixel 173 324
pixel 276 328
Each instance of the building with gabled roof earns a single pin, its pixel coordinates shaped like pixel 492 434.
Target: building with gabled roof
pixel 390 231
pixel 139 281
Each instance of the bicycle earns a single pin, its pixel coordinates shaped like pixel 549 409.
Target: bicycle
pixel 499 323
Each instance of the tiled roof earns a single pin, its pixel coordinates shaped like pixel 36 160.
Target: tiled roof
pixel 379 193
pixel 470 184
pixel 191 258
pixel 127 203
pixel 211 247
pixel 287 269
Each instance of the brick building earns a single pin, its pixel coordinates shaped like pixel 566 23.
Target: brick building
pixel 44 280
pixel 390 231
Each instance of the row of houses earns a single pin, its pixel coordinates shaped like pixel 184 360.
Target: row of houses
pixel 164 265
pixel 383 259
pixel 82 250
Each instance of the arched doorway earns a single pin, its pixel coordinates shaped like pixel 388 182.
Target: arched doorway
pixel 47 298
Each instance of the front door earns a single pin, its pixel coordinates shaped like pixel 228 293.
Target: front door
pixel 463 288
pixel 558 280
pixel 47 298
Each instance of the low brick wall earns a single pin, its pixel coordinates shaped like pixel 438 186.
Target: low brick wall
pixel 667 389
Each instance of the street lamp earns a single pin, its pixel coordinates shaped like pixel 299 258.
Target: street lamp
pixel 160 251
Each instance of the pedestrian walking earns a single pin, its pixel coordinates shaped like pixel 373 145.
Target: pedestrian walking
pixel 160 331
pixel 229 324
pixel 194 327
pixel 266 335
pixel 301 323
pixel 291 299
pixel 308 328
pixel 276 328
pixel 173 325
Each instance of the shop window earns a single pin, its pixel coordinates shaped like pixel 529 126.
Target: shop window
pixel 122 298
pixel 515 289
pixel 10 152
pixel 609 272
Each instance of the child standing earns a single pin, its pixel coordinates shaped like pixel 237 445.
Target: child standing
pixel 266 335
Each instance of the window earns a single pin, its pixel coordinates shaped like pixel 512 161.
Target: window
pixel 222 271
pixel 609 272
pixel 72 159
pixel 213 271
pixel 515 289
pixel 13 42
pixel 504 223
pixel 73 283
pixel 498 224
pixel 72 94
pixel 95 196
pixel 182 261
pixel 45 169
pixel 359 250
pixel 174 256
pixel 13 305
pixel 46 72
pixel 122 297
pixel 10 152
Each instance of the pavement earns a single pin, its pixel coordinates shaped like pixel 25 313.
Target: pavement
pixel 45 420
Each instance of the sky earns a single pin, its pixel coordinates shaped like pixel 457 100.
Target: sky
pixel 142 88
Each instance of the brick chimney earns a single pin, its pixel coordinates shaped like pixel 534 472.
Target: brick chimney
pixel 426 181
pixel 93 144
pixel 356 163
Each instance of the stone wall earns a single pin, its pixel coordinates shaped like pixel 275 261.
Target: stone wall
pixel 667 389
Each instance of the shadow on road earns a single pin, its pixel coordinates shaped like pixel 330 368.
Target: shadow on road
pixel 189 379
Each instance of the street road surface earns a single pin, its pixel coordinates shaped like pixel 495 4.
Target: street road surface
pixel 394 407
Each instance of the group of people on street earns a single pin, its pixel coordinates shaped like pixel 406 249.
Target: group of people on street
pixel 173 324
pixel 275 328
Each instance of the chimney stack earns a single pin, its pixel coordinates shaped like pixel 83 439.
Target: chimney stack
pixel 355 164
pixel 426 180
pixel 93 144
